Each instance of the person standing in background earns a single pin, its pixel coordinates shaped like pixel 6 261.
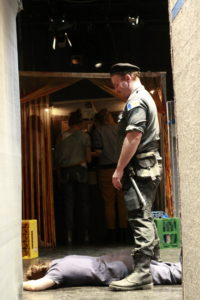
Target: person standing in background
pixel 138 170
pixel 72 154
pixel 105 146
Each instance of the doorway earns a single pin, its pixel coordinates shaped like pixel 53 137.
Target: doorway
pixel 47 98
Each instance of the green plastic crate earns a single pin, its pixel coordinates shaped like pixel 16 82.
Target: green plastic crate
pixel 168 232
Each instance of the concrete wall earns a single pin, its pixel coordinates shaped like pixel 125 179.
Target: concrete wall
pixel 185 38
pixel 10 156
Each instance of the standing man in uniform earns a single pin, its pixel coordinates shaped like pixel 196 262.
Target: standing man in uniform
pixel 138 171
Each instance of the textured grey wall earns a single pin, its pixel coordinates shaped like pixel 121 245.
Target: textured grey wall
pixel 185 36
pixel 10 156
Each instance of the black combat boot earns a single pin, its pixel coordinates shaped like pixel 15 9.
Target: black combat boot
pixel 140 279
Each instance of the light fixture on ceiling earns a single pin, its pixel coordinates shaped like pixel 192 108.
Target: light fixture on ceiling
pixel 61 40
pixel 98 64
pixel 134 21
pixel 54 43
pixel 76 59
pixel 68 40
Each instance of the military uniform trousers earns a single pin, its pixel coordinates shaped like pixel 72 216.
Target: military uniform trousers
pixel 141 221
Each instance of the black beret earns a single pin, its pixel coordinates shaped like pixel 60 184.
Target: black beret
pixel 123 68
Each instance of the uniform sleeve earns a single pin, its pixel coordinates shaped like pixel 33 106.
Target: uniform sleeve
pixel 54 273
pixel 136 119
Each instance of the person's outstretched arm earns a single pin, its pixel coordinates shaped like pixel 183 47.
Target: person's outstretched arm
pixel 38 284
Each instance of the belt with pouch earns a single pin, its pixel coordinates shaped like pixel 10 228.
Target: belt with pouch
pixel 146 165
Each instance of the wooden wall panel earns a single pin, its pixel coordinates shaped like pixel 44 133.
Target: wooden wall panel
pixel 37 169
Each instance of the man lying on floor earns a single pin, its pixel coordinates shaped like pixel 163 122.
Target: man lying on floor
pixel 77 270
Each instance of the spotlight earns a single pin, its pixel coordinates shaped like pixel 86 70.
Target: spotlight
pixel 98 65
pixel 76 59
pixel 68 40
pixel 54 43
pixel 60 40
pixel 134 21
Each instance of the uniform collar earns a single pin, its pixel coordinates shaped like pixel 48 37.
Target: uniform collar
pixel 135 91
pixel 139 88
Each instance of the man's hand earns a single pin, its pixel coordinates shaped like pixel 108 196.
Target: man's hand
pixel 129 148
pixel 116 179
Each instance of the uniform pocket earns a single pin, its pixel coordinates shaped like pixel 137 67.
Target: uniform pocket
pixel 131 199
pixel 147 166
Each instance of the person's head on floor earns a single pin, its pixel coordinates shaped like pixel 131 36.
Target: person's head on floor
pixel 75 119
pixel 37 271
pixel 125 78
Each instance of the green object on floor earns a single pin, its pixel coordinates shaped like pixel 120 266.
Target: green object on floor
pixel 168 232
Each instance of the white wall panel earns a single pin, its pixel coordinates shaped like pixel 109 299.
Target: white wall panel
pixel 10 156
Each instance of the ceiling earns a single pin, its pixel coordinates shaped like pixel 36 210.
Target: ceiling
pixel 151 11
pixel 98 30
pixel 106 31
